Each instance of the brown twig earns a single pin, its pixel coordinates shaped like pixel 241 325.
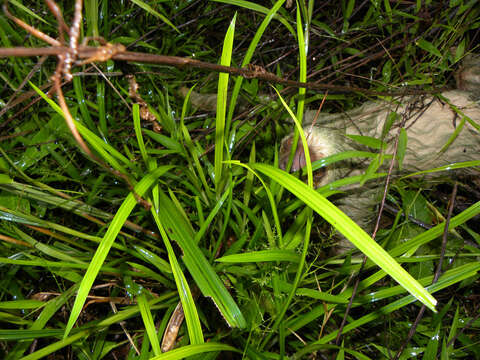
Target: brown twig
pixel 124 328
pixel 88 52
pixel 30 29
pixel 12 99
pixel 71 55
pixel 62 26
pixel 410 218
pixel 6 137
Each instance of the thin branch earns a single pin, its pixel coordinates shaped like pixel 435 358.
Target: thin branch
pixel 21 86
pixel 62 26
pixel 30 29
pixel 410 218
pixel 74 33
pixel 91 52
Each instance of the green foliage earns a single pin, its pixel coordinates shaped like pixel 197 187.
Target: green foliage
pixel 88 272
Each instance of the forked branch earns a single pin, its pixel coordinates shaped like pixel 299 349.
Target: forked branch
pixel 67 57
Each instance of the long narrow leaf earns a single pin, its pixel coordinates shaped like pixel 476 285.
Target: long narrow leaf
pixel 148 323
pixel 50 349
pixel 155 13
pixel 107 242
pixel 261 255
pixel 259 8
pixel 202 272
pixel 248 56
pixel 350 230
pixel 191 350
pixel 222 102
pixel 191 315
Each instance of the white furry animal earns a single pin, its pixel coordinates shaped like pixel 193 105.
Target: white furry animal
pixel 429 122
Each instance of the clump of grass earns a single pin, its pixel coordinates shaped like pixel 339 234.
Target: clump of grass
pixel 90 273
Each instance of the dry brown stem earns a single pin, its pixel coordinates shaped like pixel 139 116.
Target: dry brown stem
pixel 94 53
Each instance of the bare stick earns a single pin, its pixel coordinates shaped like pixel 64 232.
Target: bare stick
pixel 74 33
pixel 30 29
pixel 62 27
pixel 20 87
pixel 88 52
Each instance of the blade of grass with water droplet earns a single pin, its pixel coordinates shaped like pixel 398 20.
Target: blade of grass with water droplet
pixel 350 230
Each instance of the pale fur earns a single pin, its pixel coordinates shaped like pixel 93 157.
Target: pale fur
pixel 429 123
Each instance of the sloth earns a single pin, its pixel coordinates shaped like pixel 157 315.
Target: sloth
pixel 440 130
pixel 430 123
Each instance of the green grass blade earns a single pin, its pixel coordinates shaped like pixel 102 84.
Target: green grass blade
pixel 261 255
pixel 428 46
pixel 148 323
pixel 138 132
pixel 208 221
pixel 77 86
pixel 155 13
pixel 455 133
pixel 433 344
pixel 344 155
pixel 50 349
pixel 202 272
pixel 107 242
pixel 369 141
pixel 191 350
pixel 222 103
pixel 303 45
pixel 104 149
pixel 29 334
pixel 49 250
pixel 454 166
pixel 436 231
pixel 108 152
pixel 91 16
pixel 302 59
pixel 350 230
pixel 270 199
pixel 248 56
pixel 306 151
pixel 402 147
pixel 27 10
pixel 191 315
pixel 21 304
pixel 259 8
pixel 102 115
pixel 153 259
pixel 194 151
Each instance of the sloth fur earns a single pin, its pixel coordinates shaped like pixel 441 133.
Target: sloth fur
pixel 429 123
